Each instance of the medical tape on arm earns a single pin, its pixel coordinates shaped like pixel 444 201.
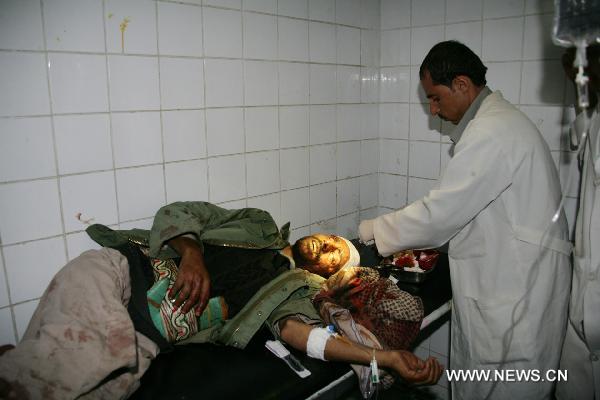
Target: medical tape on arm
pixel 317 339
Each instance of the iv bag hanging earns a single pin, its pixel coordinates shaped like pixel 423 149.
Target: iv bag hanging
pixel 576 22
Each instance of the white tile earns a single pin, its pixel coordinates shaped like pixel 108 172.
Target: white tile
pixel 227 178
pixel 395 14
pixel 538 6
pixel 222 33
pixel 293 126
pixel 325 225
pixel 92 196
pixel 144 223
pixel 181 83
pixel 225 131
pixel 369 85
pixel 40 259
pixel 394 157
pixel 322 164
pixel 133 83
pixel 140 192
pixel 502 39
pixel 130 26
pixel 569 173
pixel 416 94
pixel 322 84
pixel 505 77
pixel 262 132
pixel 347 12
pixel 23 84
pixel 349 119
pixel 322 202
pixel 463 10
pixel 395 47
pixel 419 188
pixel 83 143
pixel 395 82
pixel 293 8
pixel 3 288
pixel 224 83
pixel 392 191
pixel 294 168
pixel 370 14
pixel 187 181
pixel 260 83
pixel 468 33
pixel 536 88
pixel 7 334
pixel 234 204
pixel 23 216
pixel 79 242
pixel 322 124
pixel 424 160
pixel 224 3
pixel 348 160
pixel 262 169
pixel 322 10
pixel 348 84
pixel 184 135
pixel 23 313
pixel 322 42
pixel 293 39
pixel 348 196
pixel 74 25
pixel 570 207
pixel 369 156
pixel 538 40
pixel 440 340
pixel 499 9
pixel 393 121
pixel 369 196
pixel 369 47
pixel 78 83
pixel 26 149
pixel 295 207
pixel 348 45
pixel 293 83
pixel 422 40
pixel 180 28
pixel 428 12
pixel 260 36
pixel 549 120
pixel 136 138
pixel 267 6
pixel 369 121
pixel 270 203
pixel 21 25
pixel 424 126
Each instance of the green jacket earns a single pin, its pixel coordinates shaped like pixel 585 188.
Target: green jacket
pixel 251 228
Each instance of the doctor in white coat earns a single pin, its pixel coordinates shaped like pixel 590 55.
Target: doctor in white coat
pixel 581 351
pixel 494 205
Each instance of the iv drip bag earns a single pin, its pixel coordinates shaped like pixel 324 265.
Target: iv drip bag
pixel 576 22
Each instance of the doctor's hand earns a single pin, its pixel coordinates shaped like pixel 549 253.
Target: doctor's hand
pixel 416 371
pixel 192 287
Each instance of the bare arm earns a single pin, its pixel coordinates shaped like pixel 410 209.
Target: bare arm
pixel 192 287
pixel 411 368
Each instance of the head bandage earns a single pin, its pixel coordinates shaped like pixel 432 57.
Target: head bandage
pixel 354 257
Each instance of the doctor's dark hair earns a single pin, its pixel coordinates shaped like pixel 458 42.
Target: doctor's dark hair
pixel 446 60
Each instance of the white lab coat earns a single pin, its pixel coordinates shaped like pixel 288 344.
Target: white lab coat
pixel 494 201
pixel 581 351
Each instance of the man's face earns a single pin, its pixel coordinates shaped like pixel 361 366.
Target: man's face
pixel 325 254
pixel 450 104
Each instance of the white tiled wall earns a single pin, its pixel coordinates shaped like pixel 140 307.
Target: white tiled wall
pixel 310 109
pixel 113 108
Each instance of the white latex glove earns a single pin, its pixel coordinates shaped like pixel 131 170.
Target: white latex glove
pixel 365 230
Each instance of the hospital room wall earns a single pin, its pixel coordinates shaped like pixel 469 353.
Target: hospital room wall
pixel 513 38
pixel 112 109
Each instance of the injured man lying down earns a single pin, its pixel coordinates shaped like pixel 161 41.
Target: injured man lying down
pixel 202 274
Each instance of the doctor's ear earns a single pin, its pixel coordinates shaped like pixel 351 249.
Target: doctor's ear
pixel 462 83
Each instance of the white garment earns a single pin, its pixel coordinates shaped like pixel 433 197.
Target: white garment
pixel 494 201
pixel 581 352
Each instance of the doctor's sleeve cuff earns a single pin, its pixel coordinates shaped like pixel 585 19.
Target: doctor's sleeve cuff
pixel 365 230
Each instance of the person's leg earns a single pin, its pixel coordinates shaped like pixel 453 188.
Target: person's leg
pixel 80 333
pixel 337 348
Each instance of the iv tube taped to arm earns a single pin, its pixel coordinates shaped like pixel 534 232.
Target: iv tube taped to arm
pixel 317 339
